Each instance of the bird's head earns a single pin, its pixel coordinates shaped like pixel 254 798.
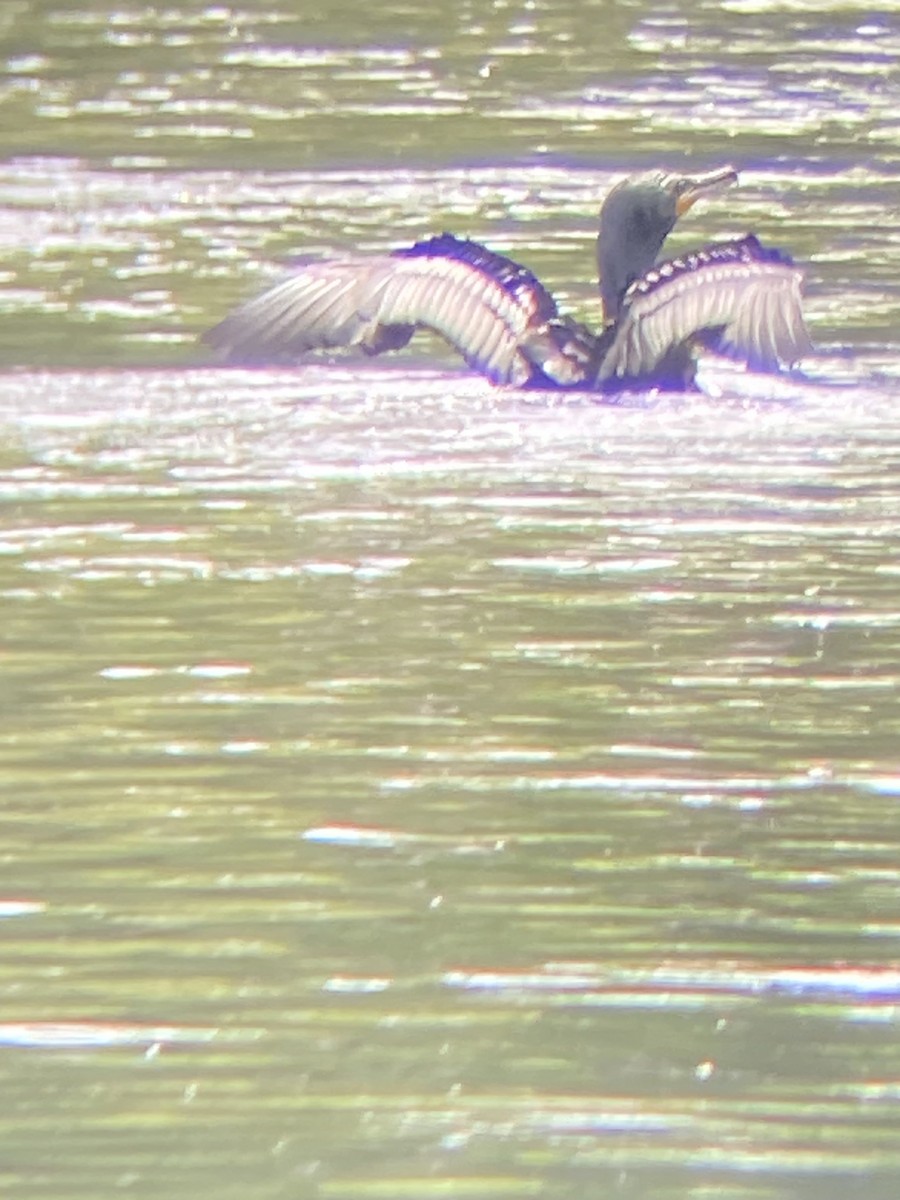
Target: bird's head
pixel 637 217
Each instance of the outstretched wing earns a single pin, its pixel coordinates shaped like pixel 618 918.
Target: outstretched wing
pixel 325 304
pixel 494 312
pixel 738 297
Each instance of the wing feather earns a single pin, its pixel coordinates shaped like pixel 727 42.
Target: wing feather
pixel 744 300
pixel 483 304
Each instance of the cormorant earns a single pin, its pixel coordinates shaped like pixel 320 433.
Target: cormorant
pixel 736 297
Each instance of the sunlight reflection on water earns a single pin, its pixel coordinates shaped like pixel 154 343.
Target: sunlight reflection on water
pixel 412 788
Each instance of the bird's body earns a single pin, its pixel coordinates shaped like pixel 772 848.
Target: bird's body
pixel 736 297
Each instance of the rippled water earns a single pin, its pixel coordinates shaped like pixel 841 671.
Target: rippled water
pixel 412 788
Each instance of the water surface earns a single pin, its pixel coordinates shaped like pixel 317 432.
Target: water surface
pixel 412 788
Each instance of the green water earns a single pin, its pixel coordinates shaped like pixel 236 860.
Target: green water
pixel 411 789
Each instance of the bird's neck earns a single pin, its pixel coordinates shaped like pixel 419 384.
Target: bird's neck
pixel 623 255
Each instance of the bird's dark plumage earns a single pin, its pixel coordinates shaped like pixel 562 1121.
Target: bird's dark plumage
pixel 736 297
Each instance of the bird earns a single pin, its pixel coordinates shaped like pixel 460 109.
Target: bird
pixel 736 297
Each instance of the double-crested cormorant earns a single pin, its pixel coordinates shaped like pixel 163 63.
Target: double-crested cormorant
pixel 736 297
